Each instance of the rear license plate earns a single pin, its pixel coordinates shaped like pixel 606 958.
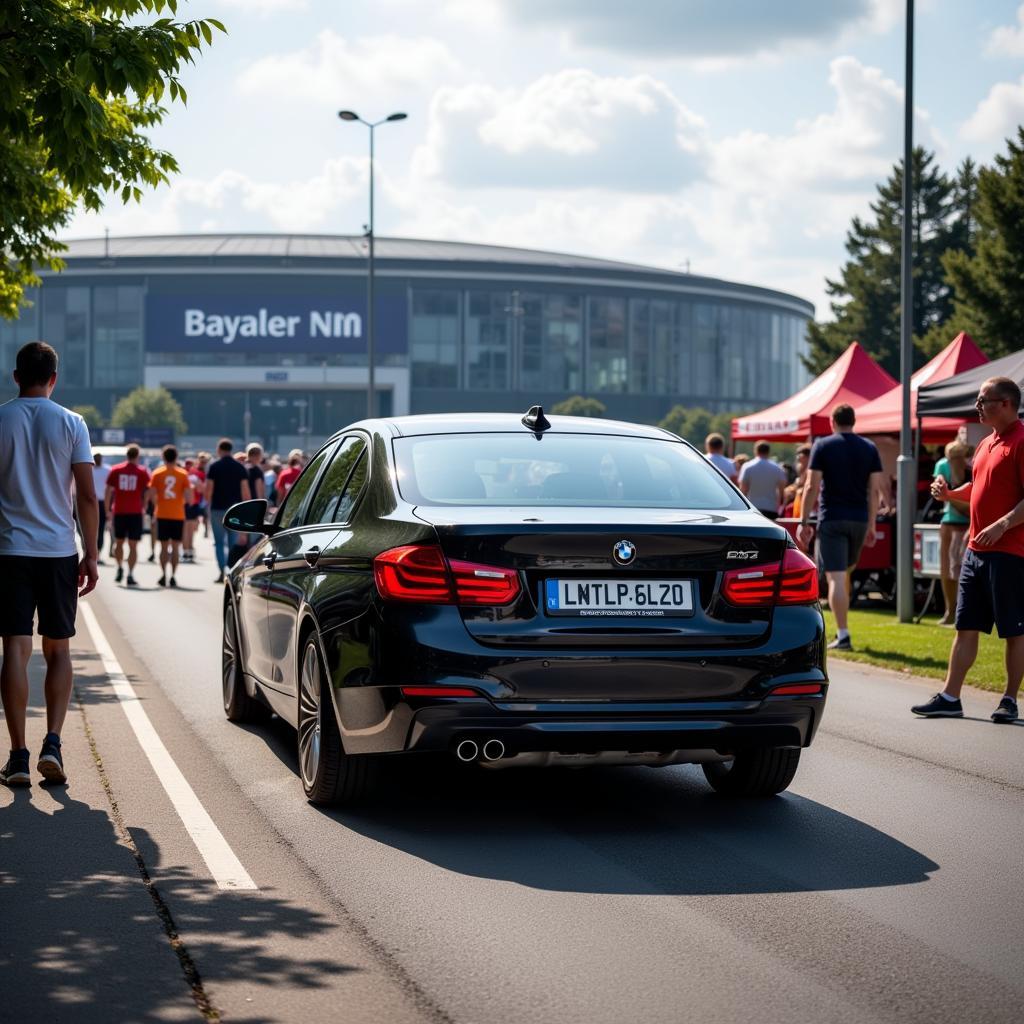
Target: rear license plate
pixel 626 598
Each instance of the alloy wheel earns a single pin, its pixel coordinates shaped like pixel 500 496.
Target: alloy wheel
pixel 309 716
pixel 229 656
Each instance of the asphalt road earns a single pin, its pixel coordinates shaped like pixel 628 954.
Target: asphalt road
pixel 884 886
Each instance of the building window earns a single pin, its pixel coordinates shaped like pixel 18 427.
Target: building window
pixel 66 328
pixel 639 346
pixel 487 341
pixel 117 336
pixel 434 339
pixel 666 354
pixel 15 333
pixel 607 361
pixel 563 342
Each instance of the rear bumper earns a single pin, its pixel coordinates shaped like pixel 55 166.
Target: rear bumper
pixel 773 722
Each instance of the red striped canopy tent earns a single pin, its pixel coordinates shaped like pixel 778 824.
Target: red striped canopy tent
pixel 854 379
pixel 884 414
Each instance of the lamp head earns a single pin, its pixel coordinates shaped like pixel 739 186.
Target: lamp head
pixel 348 115
pixel 397 117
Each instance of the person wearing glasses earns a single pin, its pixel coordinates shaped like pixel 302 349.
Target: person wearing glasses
pixel 990 591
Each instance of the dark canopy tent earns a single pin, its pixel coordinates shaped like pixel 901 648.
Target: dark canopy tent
pixel 955 396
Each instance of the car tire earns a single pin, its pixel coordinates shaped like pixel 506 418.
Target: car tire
pixel 238 705
pixel 763 771
pixel 329 775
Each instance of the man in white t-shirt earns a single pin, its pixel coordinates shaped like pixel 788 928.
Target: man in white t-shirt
pixel 99 480
pixel 44 450
pixel 764 481
pixel 714 452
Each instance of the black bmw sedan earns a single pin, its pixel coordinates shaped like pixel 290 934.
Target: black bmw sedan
pixel 523 592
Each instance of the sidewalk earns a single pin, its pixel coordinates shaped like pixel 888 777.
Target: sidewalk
pixel 81 937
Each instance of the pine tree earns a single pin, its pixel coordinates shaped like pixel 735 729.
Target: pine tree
pixel 989 281
pixel 866 298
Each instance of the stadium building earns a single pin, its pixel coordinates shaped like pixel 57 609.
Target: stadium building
pixel 263 336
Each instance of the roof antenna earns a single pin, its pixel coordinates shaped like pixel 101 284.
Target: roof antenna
pixel 536 420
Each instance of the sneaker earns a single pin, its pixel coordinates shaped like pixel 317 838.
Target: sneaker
pixel 51 764
pixel 174 582
pixel 15 772
pixel 119 575
pixel 162 582
pixel 132 581
pixel 219 579
pixel 841 644
pixel 152 558
pixel 1006 712
pixel 939 707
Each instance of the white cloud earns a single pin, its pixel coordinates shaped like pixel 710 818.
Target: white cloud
pixel 337 70
pixel 266 7
pixel 1008 40
pixel 998 115
pixel 570 129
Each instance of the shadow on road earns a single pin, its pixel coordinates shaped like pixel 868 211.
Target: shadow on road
pixel 655 830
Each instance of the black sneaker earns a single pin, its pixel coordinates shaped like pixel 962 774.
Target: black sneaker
pixel 132 581
pixel 939 707
pixel 51 764
pixel 162 582
pixel 173 582
pixel 15 772
pixel 841 643
pixel 219 579
pixel 1006 712
pixel 119 575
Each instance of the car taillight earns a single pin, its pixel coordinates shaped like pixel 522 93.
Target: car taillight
pixel 438 691
pixel 797 690
pixel 420 572
pixel 793 581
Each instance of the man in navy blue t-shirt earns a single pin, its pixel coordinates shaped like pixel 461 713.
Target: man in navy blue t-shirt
pixel 847 470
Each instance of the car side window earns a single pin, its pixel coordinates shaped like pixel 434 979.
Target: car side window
pixel 291 512
pixel 352 489
pixel 332 489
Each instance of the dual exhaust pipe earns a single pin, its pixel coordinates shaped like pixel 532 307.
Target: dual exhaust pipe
pixel 489 750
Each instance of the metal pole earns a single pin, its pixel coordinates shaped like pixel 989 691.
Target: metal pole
pixel 906 475
pixel 371 405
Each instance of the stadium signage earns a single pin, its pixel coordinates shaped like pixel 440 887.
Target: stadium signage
pixel 262 324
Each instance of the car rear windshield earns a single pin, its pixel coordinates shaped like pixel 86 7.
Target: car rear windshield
pixel 592 470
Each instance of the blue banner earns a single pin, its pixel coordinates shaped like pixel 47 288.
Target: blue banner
pixel 324 324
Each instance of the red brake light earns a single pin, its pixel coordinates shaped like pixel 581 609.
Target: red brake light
pixel 793 581
pixel 415 572
pixel 420 572
pixel 796 689
pixel 438 691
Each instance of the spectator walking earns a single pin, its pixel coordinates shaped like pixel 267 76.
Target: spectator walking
pixel 714 452
pixel 170 492
pixel 125 501
pixel 990 591
pixel 227 483
pixel 44 449
pixel 99 484
pixel 803 457
pixel 287 477
pixel 953 525
pixel 193 509
pixel 847 471
pixel 764 481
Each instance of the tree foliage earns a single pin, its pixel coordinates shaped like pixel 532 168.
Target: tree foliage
pixel 866 298
pixel 577 405
pixel 81 82
pixel 694 424
pixel 92 416
pixel 149 407
pixel 989 281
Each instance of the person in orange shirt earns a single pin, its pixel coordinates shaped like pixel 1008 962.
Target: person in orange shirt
pixel 170 491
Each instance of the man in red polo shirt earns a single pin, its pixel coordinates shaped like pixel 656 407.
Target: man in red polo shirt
pixel 990 590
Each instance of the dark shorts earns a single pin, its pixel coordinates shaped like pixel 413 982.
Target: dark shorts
pixel 44 586
pixel 128 526
pixel 991 594
pixel 839 543
pixel 169 529
pixel 192 512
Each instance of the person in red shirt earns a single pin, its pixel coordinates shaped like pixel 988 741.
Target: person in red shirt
pixel 990 591
pixel 287 477
pixel 126 489
pixel 194 509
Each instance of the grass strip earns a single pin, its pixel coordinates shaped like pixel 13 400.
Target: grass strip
pixel 921 649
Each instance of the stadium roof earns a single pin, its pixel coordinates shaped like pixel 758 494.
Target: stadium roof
pixel 259 248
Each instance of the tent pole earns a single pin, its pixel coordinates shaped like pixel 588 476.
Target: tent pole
pixel 906 475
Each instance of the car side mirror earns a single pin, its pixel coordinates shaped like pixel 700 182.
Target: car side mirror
pixel 248 517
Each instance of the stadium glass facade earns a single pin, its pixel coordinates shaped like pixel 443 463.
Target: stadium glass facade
pixel 264 335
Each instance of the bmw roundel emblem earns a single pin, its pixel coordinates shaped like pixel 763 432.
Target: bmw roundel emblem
pixel 624 552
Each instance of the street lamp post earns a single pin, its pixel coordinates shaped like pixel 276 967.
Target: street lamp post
pixel 371 404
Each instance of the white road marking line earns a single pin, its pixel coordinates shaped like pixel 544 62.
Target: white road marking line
pixel 225 867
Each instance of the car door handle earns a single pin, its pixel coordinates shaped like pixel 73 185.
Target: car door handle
pixel 312 556
pixel 269 560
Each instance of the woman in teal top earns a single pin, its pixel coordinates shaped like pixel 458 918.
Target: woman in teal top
pixel 952 526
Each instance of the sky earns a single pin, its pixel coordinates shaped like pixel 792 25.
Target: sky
pixel 730 138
